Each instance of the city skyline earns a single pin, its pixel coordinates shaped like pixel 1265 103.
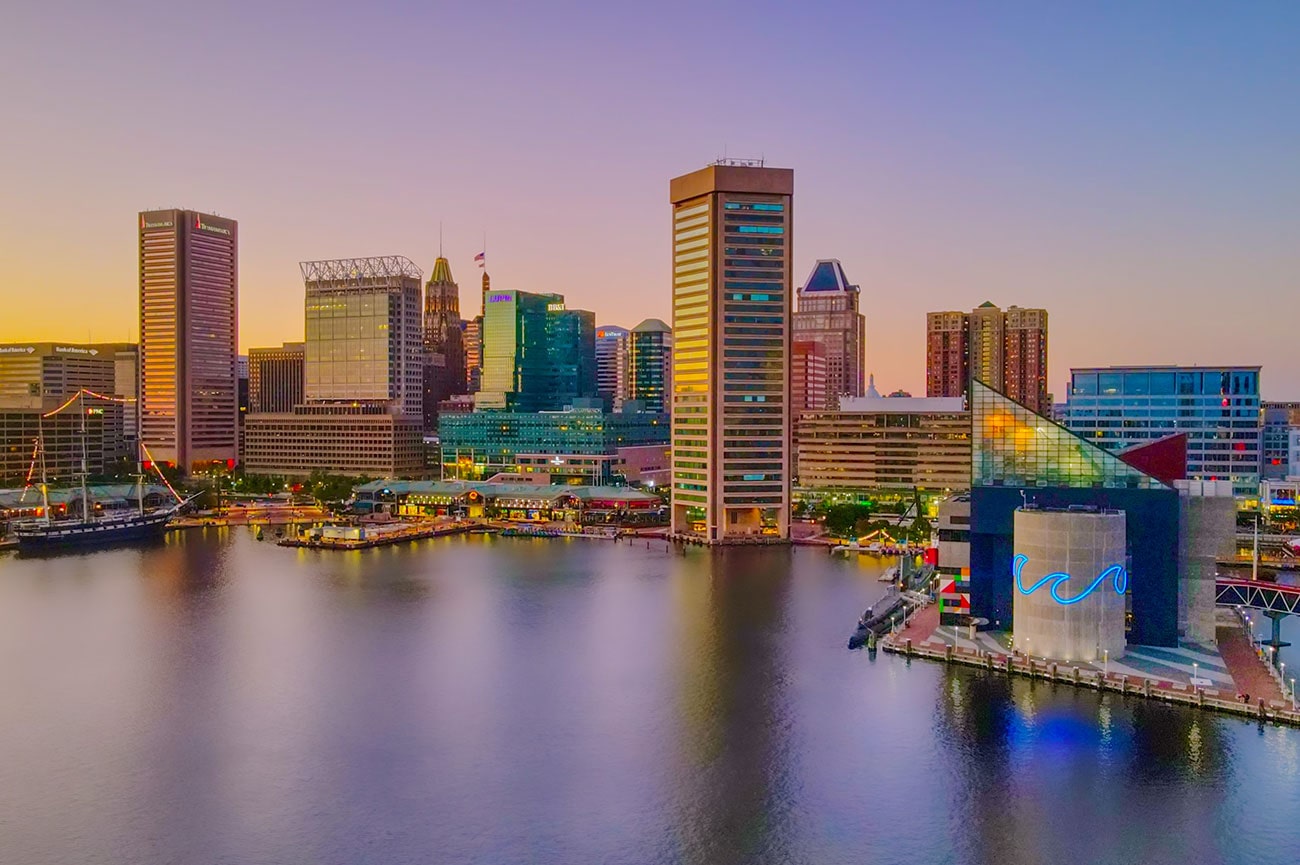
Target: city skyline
pixel 959 158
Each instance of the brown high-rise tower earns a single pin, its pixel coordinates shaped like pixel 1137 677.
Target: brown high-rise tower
pixel 189 334
pixel 1005 350
pixel 732 246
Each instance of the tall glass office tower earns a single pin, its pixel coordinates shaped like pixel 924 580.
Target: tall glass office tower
pixel 537 354
pixel 365 340
pixel 732 244
pixel 651 371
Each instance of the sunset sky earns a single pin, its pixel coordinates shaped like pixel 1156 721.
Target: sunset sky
pixel 1133 168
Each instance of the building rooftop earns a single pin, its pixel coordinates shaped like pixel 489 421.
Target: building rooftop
pixel 828 275
pixel 902 404
pixel 486 489
pixel 652 325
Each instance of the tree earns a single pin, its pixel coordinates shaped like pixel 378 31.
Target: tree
pixel 842 520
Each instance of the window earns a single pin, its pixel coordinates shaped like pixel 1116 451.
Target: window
pixel 1085 383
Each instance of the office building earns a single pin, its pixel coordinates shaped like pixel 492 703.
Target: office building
pixel 473 354
pixel 42 376
pixel 809 383
pixel 651 365
pixel 275 377
pixel 1217 407
pixel 538 355
pixel 732 242
pixel 613 359
pixel 21 427
pixel 444 364
pixel 363 363
pixel 587 444
pixel 828 315
pixel 873 443
pixel 363 440
pixel 1280 421
pixel 1006 350
pixel 189 336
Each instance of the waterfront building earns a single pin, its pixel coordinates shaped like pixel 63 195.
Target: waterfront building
pixel 953 567
pixel 1280 420
pixel 1218 407
pixel 651 365
pixel 275 377
pixel 828 314
pixel 444 362
pixel 189 337
pixel 43 375
pixel 363 377
pixel 873 443
pixel 527 502
pixel 365 440
pixel 1020 458
pixel 21 427
pixel 581 443
pixel 732 242
pixel 538 355
pixel 613 361
pixel 809 384
pixel 1006 350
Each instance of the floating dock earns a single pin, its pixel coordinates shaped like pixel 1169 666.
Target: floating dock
pixel 366 536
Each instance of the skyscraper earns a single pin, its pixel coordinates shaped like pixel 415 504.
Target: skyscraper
pixel 732 236
pixel 809 381
pixel 189 333
pixel 613 360
pixel 363 376
pixel 828 314
pixel 1005 350
pixel 364 336
pixel 444 367
pixel 538 355
pixel 651 364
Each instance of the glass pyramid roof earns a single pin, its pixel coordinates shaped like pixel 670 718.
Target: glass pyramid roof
pixel 828 275
pixel 1015 447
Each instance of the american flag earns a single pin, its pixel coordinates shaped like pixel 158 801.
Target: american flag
pixel 481 258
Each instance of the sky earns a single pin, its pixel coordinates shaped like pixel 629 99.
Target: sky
pixel 1132 168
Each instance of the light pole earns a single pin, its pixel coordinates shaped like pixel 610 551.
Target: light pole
pixel 1293 693
pixel 1105 654
pixel 1196 674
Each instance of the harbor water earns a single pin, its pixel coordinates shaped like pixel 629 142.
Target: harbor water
pixel 215 699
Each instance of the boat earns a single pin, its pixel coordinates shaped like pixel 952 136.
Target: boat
pixel 88 529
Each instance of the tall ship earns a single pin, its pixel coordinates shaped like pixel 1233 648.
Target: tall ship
pixel 88 528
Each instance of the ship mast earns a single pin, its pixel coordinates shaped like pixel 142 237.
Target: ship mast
pixel 45 481
pixel 139 479
pixel 85 459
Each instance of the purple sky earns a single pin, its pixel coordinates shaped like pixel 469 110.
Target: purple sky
pixel 1132 168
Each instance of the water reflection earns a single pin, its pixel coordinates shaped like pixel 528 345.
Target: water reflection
pixel 731 735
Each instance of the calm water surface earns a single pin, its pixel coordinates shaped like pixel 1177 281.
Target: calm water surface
pixel 220 700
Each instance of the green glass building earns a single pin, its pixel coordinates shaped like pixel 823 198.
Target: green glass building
pixel 538 355
pixel 481 443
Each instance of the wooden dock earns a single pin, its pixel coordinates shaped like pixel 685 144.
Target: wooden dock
pixel 1278 712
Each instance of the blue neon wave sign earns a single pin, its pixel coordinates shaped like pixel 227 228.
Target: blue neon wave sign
pixel 1117 573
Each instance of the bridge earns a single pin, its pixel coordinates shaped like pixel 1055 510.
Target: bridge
pixel 1275 600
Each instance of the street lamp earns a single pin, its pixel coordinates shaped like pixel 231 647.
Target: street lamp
pixel 1196 673
pixel 1105 655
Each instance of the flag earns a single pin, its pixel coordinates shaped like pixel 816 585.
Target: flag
pixel 481 258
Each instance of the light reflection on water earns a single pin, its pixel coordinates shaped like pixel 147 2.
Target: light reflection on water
pixel 492 700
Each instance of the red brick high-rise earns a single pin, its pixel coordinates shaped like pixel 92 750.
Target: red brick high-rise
pixel 1005 350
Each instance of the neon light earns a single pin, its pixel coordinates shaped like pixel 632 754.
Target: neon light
pixel 1116 572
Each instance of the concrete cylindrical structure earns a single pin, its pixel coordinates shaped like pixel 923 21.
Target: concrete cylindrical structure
pixel 1070 579
pixel 1207 532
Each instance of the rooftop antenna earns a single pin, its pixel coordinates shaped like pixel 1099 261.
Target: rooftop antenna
pixel 440 238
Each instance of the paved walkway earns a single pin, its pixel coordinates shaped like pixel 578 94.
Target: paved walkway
pixel 1249 673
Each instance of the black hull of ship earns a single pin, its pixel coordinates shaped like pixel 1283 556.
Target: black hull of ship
pixel 74 537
